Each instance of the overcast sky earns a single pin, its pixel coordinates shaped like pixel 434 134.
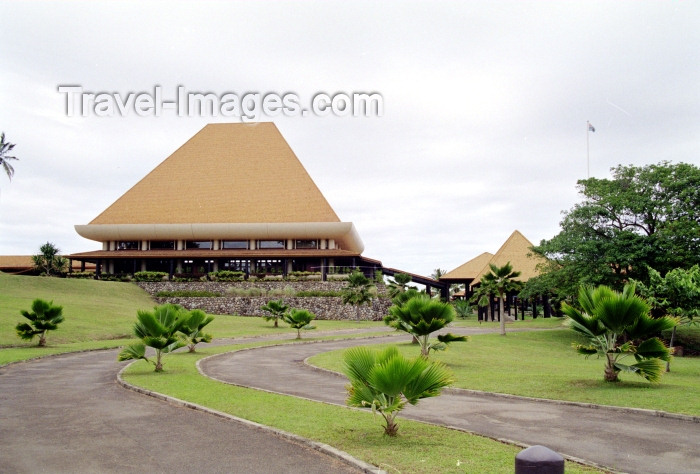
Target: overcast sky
pixel 484 123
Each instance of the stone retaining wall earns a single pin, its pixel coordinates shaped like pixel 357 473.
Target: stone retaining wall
pixel 331 308
pixel 323 307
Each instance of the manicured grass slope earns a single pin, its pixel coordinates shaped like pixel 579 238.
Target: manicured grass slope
pixel 419 448
pixel 543 364
pixel 101 314
pixel 93 310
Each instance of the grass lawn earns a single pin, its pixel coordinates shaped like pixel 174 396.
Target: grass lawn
pixel 539 323
pixel 543 364
pixel 419 448
pixel 101 315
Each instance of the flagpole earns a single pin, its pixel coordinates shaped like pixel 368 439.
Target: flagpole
pixel 588 154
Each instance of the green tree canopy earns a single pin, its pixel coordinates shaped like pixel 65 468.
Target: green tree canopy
pixel 642 217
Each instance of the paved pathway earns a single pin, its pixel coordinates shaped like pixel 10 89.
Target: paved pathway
pixel 67 414
pixel 632 442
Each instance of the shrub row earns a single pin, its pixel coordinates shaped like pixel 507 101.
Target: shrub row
pixel 150 276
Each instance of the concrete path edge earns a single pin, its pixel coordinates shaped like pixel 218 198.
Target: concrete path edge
pixel 645 411
pixel 322 447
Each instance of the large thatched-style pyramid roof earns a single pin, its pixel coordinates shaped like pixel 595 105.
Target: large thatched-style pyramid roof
pixel 228 172
pixel 229 181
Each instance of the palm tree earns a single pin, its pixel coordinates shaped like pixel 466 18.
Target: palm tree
pixel 421 316
pixel 398 285
pixel 45 316
pixel 192 329
pixel 299 319
pixel 358 291
pixel 277 310
pixel 502 279
pixel 157 329
pixel 6 147
pixel 48 261
pixel 618 325
pixel 384 381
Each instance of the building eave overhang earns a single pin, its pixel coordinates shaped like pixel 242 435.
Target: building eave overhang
pixel 344 233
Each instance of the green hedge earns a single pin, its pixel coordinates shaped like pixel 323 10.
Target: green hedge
pixel 82 275
pixel 188 294
pixel 226 275
pixel 150 276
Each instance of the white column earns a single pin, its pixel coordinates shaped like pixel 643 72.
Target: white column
pixel 144 245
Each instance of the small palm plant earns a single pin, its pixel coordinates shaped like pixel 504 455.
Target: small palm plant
pixel 157 329
pixel 385 381
pixel 44 317
pixel 192 329
pixel 299 319
pixel 277 310
pixel 618 325
pixel 358 291
pixel 421 316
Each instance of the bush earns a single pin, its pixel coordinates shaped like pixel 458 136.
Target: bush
pixel 117 277
pixel 226 275
pixel 150 276
pixel 81 275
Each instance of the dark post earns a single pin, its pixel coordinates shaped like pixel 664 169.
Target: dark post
pixel 324 269
pixel 547 307
pixel 534 307
pixel 539 460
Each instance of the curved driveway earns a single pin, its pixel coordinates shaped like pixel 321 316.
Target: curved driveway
pixel 67 414
pixel 631 441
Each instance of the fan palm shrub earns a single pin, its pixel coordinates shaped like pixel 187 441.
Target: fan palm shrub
pixel 617 326
pixel 44 317
pixel 192 329
pixel 276 309
pixel 299 319
pixel 385 381
pixel 358 291
pixel 157 329
pixel 421 316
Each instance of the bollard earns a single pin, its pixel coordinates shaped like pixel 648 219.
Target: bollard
pixel 538 460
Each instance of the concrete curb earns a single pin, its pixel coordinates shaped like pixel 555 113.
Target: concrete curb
pixel 321 447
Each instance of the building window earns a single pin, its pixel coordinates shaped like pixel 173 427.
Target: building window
pixel 234 244
pixel 271 244
pixel 268 266
pixel 162 245
pixel 199 245
pixel 237 265
pixel 306 244
pixel 128 245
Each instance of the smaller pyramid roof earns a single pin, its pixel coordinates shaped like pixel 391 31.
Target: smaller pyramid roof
pixel 515 250
pixel 470 269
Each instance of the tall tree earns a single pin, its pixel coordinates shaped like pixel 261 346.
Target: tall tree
pixel 503 280
pixel 5 148
pixel 358 291
pixel 642 217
